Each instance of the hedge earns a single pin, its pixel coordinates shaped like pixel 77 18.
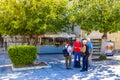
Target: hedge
pixel 23 54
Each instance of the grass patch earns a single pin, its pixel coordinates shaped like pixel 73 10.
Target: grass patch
pixel 98 59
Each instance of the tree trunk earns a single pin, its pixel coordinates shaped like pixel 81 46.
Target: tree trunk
pixel 28 37
pixel 24 40
pixel 1 41
pixel 32 40
pixel 103 43
pixel 103 46
pixel 35 40
pixel 73 28
pixel 104 35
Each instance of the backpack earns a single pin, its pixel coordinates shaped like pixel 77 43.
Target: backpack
pixel 65 52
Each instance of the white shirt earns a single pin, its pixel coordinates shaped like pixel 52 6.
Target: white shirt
pixel 69 49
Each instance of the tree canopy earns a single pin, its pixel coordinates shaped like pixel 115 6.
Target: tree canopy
pixel 99 15
pixel 22 17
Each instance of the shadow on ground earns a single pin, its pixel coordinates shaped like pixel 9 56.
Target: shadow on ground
pixel 101 70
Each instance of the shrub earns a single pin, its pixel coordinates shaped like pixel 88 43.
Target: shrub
pixel 23 54
pixel 102 57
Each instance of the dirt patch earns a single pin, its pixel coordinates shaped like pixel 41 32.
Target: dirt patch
pixel 40 64
pixel 97 59
pixel 31 65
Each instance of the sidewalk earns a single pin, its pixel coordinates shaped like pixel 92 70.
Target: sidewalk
pixel 107 70
pixel 4 59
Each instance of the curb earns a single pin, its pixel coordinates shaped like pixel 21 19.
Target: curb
pixel 30 68
pixel 8 65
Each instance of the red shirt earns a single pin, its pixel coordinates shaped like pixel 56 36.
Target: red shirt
pixel 77 46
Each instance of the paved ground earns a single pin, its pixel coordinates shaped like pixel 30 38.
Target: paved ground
pixel 107 70
pixel 4 59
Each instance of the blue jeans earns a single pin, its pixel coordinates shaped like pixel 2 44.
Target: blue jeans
pixel 77 56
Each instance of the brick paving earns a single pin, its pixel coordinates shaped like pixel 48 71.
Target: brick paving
pixel 101 70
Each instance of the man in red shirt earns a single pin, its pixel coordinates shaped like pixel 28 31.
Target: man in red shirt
pixel 77 45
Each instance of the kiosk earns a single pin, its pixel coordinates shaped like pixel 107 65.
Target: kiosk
pixel 52 43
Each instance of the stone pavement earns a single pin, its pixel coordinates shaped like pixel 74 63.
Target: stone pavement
pixel 107 70
pixel 4 59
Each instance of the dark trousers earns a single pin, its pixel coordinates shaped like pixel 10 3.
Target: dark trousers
pixel 85 62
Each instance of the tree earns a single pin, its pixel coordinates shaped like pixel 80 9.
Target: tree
pixel 99 15
pixel 31 17
pixel 103 16
pixel 71 15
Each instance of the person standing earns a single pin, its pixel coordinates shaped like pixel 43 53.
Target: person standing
pixel 77 51
pixel 90 49
pixel 85 53
pixel 68 56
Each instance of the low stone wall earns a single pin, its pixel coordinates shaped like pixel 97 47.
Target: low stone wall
pixel 14 40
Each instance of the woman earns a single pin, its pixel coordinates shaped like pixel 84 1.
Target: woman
pixel 68 58
pixel 85 56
